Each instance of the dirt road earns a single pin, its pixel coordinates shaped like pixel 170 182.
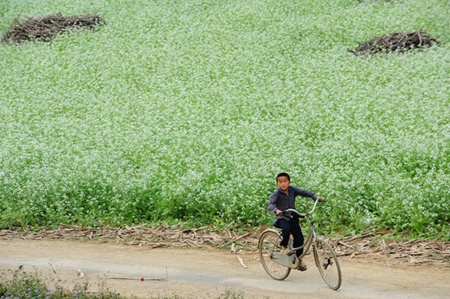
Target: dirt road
pixel 208 273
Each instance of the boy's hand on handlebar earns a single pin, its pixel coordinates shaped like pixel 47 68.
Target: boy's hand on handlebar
pixel 279 212
pixel 320 199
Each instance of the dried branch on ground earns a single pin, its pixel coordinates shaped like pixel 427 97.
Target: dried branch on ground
pixel 363 246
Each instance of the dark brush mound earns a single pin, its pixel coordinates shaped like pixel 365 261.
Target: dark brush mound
pixel 47 27
pixel 397 41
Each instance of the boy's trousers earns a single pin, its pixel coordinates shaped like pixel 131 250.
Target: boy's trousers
pixel 291 227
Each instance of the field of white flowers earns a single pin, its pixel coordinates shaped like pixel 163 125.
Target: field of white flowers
pixel 186 111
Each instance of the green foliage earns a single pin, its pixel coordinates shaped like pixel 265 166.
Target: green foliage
pixel 186 110
pixel 24 284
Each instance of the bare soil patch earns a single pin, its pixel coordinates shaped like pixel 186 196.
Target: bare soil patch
pixel 47 27
pixel 177 262
pixel 397 41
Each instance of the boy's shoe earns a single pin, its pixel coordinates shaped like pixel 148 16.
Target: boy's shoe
pixel 302 266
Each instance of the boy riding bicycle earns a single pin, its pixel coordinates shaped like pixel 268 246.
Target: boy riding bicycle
pixel 282 199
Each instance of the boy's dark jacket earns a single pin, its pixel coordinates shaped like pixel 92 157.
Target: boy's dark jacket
pixel 280 201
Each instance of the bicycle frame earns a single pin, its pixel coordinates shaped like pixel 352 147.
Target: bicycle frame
pixel 312 234
pixel 293 261
pixel 278 263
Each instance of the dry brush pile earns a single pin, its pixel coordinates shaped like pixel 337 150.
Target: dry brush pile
pixel 47 27
pixel 397 41
pixel 362 246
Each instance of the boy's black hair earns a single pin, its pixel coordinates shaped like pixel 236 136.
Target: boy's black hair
pixel 283 174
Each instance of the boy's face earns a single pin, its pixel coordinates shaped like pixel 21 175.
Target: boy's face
pixel 283 182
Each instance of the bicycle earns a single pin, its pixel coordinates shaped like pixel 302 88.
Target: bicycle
pixel 279 264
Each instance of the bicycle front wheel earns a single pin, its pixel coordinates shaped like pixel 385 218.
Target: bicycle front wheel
pixel 269 242
pixel 328 264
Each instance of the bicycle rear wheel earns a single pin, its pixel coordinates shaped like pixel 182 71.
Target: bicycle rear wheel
pixel 328 264
pixel 269 242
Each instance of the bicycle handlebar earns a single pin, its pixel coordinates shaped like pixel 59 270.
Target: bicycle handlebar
pixel 306 214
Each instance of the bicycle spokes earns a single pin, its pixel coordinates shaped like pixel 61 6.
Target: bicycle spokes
pixel 269 251
pixel 328 264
